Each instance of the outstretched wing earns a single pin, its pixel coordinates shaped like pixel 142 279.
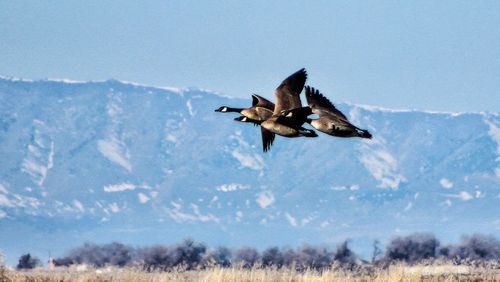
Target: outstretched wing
pixel 319 103
pixel 267 139
pixel 287 94
pixel 259 101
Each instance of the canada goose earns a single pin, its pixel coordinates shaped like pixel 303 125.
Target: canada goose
pixel 287 98
pixel 261 109
pixel 331 121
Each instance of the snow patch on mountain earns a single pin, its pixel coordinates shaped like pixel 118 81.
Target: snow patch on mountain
pixel 494 132
pixel 382 165
pixel 143 198
pixel 177 90
pixel 246 159
pixel 171 138
pixel 239 216
pixel 114 208
pixel 189 106
pixel 408 206
pixel 231 187
pixel 446 183
pixel 60 80
pixel 462 195
pixel 115 151
pixel 465 196
pixel 292 220
pixel 126 186
pixel 176 213
pixel 265 199
pixel 295 222
pixel 40 155
pixel 15 200
pixel 4 201
pixel 376 157
pixel 78 206
pixel 251 161
pixel 3 189
pixel 374 109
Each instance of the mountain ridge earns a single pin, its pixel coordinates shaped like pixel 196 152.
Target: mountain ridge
pixel 193 88
pixel 104 160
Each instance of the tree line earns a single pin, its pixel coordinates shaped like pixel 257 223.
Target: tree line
pixel 190 254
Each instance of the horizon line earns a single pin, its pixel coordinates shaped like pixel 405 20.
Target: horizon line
pixel 181 90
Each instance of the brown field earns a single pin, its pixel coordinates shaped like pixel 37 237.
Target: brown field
pixel 444 272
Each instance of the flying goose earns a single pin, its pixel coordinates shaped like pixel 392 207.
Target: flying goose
pixel 287 98
pixel 331 121
pixel 261 109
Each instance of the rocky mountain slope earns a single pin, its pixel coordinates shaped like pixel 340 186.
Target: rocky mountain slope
pixel 103 161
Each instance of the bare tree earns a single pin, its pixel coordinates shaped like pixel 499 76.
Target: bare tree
pixel 376 250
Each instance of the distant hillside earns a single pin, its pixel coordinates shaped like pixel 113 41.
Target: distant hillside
pixel 103 161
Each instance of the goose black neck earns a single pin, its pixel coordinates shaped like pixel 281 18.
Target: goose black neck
pixel 234 110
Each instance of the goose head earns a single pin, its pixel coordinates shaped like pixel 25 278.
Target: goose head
pixel 241 118
pixel 222 109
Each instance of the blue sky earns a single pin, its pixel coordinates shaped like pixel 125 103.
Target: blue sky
pixel 436 55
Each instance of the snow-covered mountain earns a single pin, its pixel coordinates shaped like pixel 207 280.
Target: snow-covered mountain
pixel 103 161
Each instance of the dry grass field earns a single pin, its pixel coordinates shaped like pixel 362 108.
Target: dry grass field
pixel 443 272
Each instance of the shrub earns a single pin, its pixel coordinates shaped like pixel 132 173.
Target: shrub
pixel 344 255
pixel 272 257
pixel 221 256
pixel 188 254
pixel 412 248
pixel 475 247
pixel 3 269
pixel 28 262
pixel 248 257
pixel 115 254
pixel 314 257
pixel 158 257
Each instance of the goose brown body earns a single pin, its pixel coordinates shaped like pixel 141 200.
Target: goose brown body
pixel 331 121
